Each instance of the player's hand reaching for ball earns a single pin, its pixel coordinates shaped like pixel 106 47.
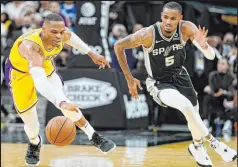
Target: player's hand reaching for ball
pixel 99 60
pixel 201 37
pixel 69 106
pixel 133 83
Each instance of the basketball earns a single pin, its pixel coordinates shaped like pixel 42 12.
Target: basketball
pixel 60 131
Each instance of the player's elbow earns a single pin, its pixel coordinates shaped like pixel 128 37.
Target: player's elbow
pixel 117 46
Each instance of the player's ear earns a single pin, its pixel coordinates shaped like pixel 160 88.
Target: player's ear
pixel 181 17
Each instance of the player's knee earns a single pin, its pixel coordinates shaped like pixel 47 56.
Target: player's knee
pixel 187 108
pixel 74 116
pixel 196 108
pixel 185 105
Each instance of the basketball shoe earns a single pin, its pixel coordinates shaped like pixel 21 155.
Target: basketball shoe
pixel 102 143
pixel 227 153
pixel 200 155
pixel 33 153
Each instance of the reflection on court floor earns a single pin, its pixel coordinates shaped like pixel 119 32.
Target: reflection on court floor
pixel 168 155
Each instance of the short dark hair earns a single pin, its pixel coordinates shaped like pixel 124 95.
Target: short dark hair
pixel 173 5
pixel 53 17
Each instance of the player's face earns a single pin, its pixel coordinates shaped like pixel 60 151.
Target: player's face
pixel 222 66
pixel 170 19
pixel 55 32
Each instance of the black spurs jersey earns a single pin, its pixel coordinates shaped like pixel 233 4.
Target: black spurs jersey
pixel 166 56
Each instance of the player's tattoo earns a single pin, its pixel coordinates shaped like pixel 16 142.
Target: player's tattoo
pixel 32 52
pixel 134 40
pixel 36 48
pixel 131 41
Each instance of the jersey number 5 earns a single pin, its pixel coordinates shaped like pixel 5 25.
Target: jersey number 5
pixel 169 61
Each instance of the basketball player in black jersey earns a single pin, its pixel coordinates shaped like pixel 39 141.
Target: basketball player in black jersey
pixel 168 81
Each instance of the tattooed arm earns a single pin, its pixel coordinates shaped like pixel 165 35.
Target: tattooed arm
pixel 33 53
pixel 142 37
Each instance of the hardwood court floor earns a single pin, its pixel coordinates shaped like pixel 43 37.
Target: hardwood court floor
pixel 169 155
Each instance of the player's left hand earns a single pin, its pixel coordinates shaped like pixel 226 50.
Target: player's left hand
pixel 100 60
pixel 201 37
pixel 133 83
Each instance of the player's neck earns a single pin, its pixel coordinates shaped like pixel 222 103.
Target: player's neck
pixel 166 34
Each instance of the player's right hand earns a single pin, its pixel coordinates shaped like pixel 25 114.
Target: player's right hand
pixel 69 106
pixel 133 83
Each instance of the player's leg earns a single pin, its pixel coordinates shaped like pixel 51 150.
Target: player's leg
pixel 219 147
pixel 165 95
pixel 24 97
pixel 95 138
pixel 176 100
pixel 196 136
pixel 188 91
pixel 32 127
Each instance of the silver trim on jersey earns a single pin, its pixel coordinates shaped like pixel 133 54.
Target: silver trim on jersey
pixel 185 70
pixel 154 91
pixel 147 62
pixel 161 34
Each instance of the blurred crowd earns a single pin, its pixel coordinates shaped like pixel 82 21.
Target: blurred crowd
pixel 215 81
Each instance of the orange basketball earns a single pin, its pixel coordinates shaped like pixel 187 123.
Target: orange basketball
pixel 60 131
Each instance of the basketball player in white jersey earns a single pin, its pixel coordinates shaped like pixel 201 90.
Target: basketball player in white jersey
pixel 168 81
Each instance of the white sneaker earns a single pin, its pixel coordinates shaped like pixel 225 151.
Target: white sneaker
pixel 200 155
pixel 227 153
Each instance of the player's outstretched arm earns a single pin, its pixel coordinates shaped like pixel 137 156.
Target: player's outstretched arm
pixel 198 36
pixel 34 55
pixel 141 37
pixel 73 40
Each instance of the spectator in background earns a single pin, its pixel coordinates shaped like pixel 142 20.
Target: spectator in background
pixel 62 58
pixel 55 8
pixel 202 68
pixel 118 32
pixel 27 15
pixel 37 20
pixel 68 8
pixel 231 107
pixel 44 5
pixel 219 88
pixel 228 42
pixel 14 8
pixel 232 57
pixel 7 28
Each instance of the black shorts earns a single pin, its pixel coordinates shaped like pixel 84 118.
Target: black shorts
pixel 180 81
